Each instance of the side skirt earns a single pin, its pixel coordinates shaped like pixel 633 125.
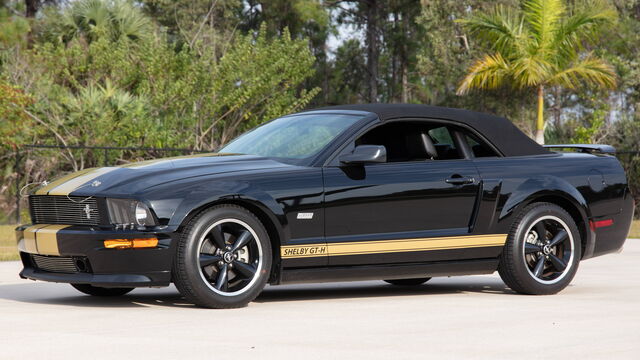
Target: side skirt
pixel 389 272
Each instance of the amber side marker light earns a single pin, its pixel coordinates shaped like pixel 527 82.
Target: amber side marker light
pixel 130 243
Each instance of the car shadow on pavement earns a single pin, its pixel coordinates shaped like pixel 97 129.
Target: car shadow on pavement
pixel 60 294
pixel 380 289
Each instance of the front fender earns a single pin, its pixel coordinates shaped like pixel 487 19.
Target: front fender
pixel 190 198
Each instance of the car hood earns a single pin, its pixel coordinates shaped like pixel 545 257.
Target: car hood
pixel 136 177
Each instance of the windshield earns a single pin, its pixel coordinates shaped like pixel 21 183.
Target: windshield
pixel 292 137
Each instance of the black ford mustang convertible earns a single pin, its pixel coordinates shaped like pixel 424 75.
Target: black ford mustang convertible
pixel 399 193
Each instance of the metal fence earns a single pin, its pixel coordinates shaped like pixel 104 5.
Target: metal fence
pixel 103 152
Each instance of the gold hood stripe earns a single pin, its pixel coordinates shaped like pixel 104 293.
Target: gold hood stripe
pixel 69 183
pixel 45 189
pixel 73 184
pixel 393 246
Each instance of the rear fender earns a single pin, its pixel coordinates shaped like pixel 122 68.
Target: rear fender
pixel 547 186
pixel 554 190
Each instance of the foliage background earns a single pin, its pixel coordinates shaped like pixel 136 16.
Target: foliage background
pixel 195 74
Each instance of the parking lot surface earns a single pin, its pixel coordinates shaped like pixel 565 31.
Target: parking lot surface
pixel 598 316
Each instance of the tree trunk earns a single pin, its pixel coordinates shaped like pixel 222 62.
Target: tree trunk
pixel 557 107
pixel 540 122
pixel 372 49
pixel 404 62
pixel 405 83
pixel 392 87
pixel 31 8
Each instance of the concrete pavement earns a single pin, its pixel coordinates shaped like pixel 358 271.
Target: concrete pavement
pixel 597 317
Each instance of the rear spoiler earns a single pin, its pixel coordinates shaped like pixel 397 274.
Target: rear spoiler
pixel 585 148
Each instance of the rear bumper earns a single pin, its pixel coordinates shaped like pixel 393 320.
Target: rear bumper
pixel 146 267
pixel 611 239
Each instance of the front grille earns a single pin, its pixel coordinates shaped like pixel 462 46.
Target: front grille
pixel 57 264
pixel 67 210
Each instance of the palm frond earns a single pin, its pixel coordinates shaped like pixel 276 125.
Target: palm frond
pixel 129 22
pixel 92 16
pixel 500 28
pixel 590 70
pixel 582 26
pixel 95 19
pixel 531 71
pixel 489 72
pixel 544 20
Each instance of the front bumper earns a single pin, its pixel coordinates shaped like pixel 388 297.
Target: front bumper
pixel 147 267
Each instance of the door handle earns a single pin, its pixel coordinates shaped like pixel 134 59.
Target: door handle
pixel 459 180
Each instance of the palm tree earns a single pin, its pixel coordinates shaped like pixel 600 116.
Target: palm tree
pixel 539 46
pixel 114 19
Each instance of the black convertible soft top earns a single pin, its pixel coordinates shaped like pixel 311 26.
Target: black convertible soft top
pixel 498 130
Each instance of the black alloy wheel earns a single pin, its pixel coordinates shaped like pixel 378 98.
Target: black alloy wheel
pixel 542 252
pixel 223 258
pixel 229 257
pixel 548 249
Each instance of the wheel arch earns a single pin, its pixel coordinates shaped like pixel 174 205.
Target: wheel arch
pixel 266 217
pixel 576 210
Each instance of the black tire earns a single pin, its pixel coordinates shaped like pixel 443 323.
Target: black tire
pixel 408 282
pixel 101 291
pixel 220 283
pixel 530 263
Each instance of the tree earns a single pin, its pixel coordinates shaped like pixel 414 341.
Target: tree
pixel 541 45
pixel 303 19
pixel 348 76
pixel 93 19
pixel 368 15
pixel 91 80
pixel 401 43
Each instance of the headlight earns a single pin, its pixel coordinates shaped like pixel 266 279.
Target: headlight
pixel 129 213
pixel 142 214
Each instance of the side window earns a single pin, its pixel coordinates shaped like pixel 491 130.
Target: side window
pixel 478 147
pixel 444 144
pixel 413 141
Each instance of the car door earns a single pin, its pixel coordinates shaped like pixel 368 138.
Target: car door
pixel 404 210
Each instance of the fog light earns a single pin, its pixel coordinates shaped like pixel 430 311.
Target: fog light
pixel 130 243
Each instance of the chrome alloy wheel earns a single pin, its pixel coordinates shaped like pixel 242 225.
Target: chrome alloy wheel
pixel 230 256
pixel 548 250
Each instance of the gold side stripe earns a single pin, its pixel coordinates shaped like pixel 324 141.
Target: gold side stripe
pixel 415 249
pixel 67 187
pixel 392 246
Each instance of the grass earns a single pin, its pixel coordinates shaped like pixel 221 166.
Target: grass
pixel 9 251
pixel 635 229
pixel 8 248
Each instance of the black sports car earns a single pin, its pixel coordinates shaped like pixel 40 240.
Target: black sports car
pixel 399 193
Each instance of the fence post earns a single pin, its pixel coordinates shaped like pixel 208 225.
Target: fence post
pixel 106 156
pixel 18 177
